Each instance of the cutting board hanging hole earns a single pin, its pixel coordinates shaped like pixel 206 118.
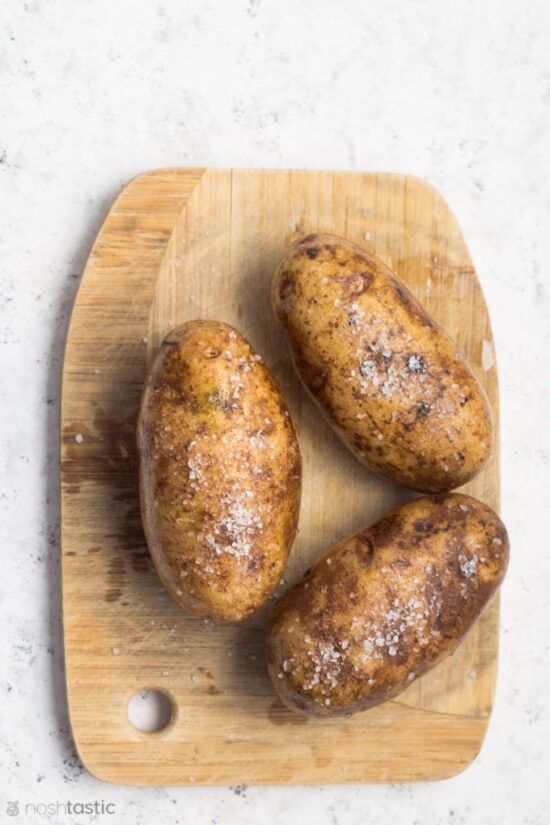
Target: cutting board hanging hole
pixel 150 711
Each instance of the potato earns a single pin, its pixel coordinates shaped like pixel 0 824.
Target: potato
pixel 386 605
pixel 388 379
pixel 220 472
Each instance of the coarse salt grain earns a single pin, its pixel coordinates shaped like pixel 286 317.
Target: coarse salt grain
pixel 468 566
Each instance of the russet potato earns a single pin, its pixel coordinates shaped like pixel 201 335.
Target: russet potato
pixel 220 472
pixel 386 605
pixel 389 380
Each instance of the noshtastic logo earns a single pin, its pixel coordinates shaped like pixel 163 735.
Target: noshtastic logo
pixel 49 809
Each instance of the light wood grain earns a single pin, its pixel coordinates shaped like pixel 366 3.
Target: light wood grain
pixel 180 244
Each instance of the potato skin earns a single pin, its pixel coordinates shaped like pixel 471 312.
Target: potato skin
pixel 220 472
pixel 388 379
pixel 386 605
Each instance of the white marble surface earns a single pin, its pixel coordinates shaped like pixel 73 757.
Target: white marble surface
pixel 92 93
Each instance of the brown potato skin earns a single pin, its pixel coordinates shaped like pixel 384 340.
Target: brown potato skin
pixel 388 379
pixel 386 605
pixel 219 471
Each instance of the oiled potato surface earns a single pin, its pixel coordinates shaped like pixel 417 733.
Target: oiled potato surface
pixel 220 472
pixel 384 606
pixel 388 379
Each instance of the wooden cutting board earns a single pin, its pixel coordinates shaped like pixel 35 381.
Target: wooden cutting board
pixel 189 243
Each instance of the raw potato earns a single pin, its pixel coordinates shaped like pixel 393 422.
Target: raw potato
pixel 384 606
pixel 388 379
pixel 220 472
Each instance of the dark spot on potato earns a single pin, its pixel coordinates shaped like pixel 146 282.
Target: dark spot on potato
pixel 255 564
pixel 211 352
pixel 171 391
pixel 423 525
pixel 361 284
pixel 353 284
pixel 312 252
pixel 329 409
pixel 364 548
pixel 464 400
pixel 287 286
pixel 404 296
pixel 422 409
pixel 400 563
pixel 314 377
pixel 387 528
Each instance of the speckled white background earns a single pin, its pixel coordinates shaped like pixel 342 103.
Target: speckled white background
pixel 94 92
